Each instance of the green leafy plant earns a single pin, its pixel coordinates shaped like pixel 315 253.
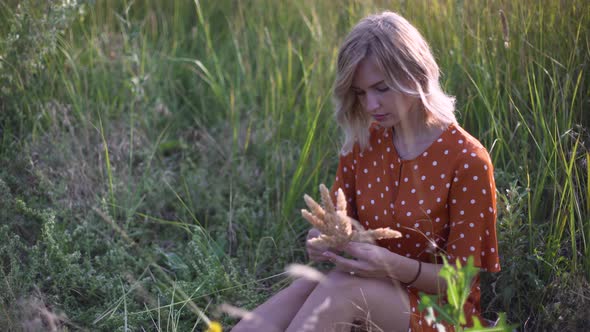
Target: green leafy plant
pixel 458 279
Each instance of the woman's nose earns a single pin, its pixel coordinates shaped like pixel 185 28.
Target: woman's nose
pixel 371 102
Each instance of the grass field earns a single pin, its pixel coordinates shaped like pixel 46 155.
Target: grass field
pixel 154 154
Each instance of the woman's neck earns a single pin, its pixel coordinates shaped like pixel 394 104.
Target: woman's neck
pixel 413 135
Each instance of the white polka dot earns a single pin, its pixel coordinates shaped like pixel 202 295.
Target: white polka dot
pixel 462 235
pixel 415 167
pixel 428 211
pixel 475 178
pixel 442 176
pixel 453 132
pixel 417 245
pixel 438 199
pixel 374 163
pixel 481 214
pixel 417 225
pixel 454 201
pixel 358 192
pixel 464 150
pixel 454 246
pixel 345 169
pixel 378 179
pixel 471 225
pixel 447 185
pixel 485 167
pixel 472 248
pixel 466 165
pixel 346 185
pixel 492 249
pixel 405 179
pixel 432 187
pixel 388 149
pixel 366 171
pixel 403 202
pixel 362 207
pixel 369 185
pixel 372 202
pixel 381 195
pixel 409 214
pixel 461 212
pixel 460 141
pixel 456 180
pixel 421 202
pixel 367 223
pixel 384 212
pixel 376 217
pixel 473 154
pixel 413 190
pixel 423 177
pixel 490 209
pixel 464 189
pixel 434 163
pixel 437 219
pixel 391 166
pixel 391 205
pixel 379 141
pixel 425 154
pixel 446 152
pixel 439 140
pixel 396 183
pixel 399 245
pixel 472 201
pixel 483 191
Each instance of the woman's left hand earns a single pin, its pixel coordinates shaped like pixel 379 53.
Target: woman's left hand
pixel 368 260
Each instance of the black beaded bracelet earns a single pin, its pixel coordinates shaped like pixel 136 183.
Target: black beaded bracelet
pixel 417 274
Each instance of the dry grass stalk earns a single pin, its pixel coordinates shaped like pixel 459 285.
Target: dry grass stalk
pixel 336 227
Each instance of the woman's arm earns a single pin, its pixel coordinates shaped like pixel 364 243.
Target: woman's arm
pixel 372 261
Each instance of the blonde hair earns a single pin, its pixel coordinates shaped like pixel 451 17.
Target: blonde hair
pixel 408 65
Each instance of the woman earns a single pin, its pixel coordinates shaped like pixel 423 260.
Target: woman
pixel 405 164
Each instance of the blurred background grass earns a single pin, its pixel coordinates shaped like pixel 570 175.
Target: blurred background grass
pixel 153 155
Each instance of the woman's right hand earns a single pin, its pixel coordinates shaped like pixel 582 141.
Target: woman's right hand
pixel 314 252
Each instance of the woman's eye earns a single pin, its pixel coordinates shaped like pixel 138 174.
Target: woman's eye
pixel 383 88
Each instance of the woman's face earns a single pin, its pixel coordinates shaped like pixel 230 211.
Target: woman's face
pixel 384 105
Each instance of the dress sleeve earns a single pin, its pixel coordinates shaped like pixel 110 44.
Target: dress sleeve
pixel 346 179
pixel 472 212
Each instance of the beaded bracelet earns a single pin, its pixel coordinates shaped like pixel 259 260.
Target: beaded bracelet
pixel 417 274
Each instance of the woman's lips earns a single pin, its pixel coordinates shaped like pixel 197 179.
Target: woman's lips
pixel 380 117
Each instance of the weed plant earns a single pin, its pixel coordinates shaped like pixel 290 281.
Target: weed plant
pixel 154 154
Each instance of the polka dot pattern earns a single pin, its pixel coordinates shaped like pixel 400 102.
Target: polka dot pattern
pixel 442 201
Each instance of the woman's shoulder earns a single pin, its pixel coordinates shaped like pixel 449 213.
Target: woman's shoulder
pixel 459 144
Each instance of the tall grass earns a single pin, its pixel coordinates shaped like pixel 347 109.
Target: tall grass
pixel 196 127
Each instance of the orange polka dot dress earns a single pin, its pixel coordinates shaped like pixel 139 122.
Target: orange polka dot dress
pixel 443 202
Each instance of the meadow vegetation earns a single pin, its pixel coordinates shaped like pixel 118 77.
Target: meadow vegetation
pixel 154 154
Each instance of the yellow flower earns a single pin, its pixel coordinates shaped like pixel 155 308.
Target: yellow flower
pixel 214 327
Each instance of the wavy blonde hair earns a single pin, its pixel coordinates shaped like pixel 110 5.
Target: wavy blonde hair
pixel 408 65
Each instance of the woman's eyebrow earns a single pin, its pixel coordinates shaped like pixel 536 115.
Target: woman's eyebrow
pixel 371 86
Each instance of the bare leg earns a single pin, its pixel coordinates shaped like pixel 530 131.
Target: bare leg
pixel 277 312
pixel 383 302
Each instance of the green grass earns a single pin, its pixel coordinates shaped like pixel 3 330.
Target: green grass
pixel 153 155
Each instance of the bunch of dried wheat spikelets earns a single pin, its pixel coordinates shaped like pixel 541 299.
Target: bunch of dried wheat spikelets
pixel 336 227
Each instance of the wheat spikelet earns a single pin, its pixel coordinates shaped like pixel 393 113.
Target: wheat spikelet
pixel 336 227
